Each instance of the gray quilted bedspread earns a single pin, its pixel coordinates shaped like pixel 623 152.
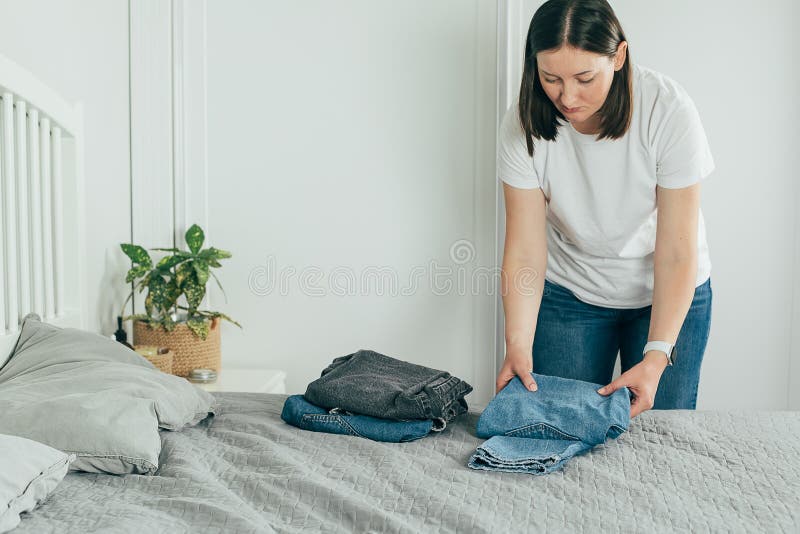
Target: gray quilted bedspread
pixel 247 471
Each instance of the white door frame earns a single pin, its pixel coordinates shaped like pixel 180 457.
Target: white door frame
pixel 169 189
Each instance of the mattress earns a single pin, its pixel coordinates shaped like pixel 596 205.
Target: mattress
pixel 245 470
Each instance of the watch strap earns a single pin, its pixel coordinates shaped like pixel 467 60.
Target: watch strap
pixel 663 346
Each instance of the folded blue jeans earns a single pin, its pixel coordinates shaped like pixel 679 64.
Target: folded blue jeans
pixel 537 432
pixel 297 411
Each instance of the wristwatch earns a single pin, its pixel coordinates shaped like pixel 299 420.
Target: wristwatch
pixel 663 346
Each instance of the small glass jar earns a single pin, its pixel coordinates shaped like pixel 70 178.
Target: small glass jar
pixel 202 376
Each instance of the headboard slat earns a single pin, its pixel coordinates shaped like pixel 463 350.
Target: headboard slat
pixel 35 203
pixel 23 228
pixel 57 221
pixel 3 257
pixel 47 219
pixel 9 213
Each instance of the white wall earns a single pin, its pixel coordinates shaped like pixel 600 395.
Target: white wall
pixel 80 49
pixel 738 64
pixel 358 135
pixel 404 121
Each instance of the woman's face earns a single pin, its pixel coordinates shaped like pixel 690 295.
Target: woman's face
pixel 577 82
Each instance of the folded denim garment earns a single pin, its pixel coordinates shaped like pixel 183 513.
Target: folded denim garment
pixel 369 383
pixel 536 432
pixel 300 413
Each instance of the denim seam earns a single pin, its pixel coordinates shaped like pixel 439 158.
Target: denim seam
pixel 450 394
pixel 440 391
pixel 332 419
pixel 347 426
pixel 424 405
pixel 554 429
pixel 320 416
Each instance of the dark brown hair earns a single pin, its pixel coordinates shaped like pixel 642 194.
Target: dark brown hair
pixel 589 25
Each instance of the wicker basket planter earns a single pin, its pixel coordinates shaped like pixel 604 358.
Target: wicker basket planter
pixel 162 360
pixel 188 351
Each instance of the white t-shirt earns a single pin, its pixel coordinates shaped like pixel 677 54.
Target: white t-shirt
pixel 601 195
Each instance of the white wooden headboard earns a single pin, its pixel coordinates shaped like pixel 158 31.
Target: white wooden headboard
pixel 41 205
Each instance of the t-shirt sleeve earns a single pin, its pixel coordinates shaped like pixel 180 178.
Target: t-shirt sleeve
pixel 683 156
pixel 514 165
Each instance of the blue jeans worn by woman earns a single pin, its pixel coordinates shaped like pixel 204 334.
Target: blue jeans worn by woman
pixel 578 340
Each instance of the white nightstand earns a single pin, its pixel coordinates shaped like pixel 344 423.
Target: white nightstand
pixel 248 380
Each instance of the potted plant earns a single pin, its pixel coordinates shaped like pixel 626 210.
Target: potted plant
pixel 191 333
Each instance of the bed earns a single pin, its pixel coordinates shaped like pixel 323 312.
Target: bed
pixel 245 470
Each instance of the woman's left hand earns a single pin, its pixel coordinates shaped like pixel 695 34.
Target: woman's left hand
pixel 642 379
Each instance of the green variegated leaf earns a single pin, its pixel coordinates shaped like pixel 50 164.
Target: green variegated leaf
pixel 136 272
pixel 168 323
pixel 212 253
pixel 223 316
pixel 156 285
pixel 168 262
pixel 137 254
pixel 166 297
pixel 183 272
pixel 199 327
pixel 194 292
pixel 194 238
pixel 162 294
pixel 172 293
pixel 201 270
pixel 148 304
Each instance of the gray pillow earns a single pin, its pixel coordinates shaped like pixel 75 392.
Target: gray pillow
pixel 86 394
pixel 29 471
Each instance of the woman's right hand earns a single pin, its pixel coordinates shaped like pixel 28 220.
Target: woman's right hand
pixel 517 363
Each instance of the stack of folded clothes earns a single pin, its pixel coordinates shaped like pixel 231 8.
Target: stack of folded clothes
pixel 378 397
pixel 536 432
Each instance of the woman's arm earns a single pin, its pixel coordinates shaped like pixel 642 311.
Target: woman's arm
pixel 675 275
pixel 522 280
pixel 675 263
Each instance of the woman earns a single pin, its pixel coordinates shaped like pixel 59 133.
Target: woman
pixel 601 160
